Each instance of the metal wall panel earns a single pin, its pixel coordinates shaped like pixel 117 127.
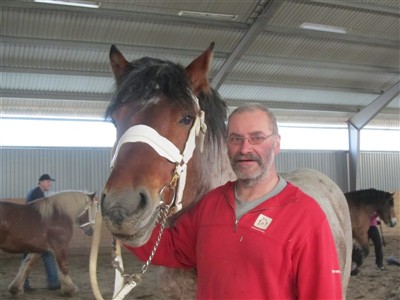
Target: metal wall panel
pixel 331 163
pixel 380 170
pixel 73 168
pixel 87 169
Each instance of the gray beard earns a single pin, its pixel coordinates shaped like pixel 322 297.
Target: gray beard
pixel 259 176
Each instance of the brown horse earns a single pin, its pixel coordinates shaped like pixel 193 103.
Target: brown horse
pixel 362 204
pixel 45 224
pixel 163 114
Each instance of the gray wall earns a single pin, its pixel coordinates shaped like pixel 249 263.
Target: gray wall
pixel 87 168
pixel 73 168
pixel 380 170
pixel 331 163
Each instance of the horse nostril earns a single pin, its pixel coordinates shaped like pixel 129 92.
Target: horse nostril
pixel 142 201
pixel 102 198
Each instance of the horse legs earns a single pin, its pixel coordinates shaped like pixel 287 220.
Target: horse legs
pixel 68 288
pixel 356 259
pixel 361 237
pixel 16 286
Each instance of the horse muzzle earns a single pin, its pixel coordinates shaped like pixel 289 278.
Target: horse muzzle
pixel 393 222
pixel 130 216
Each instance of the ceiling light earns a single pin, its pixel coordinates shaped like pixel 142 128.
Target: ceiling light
pixel 321 27
pixel 79 3
pixel 208 15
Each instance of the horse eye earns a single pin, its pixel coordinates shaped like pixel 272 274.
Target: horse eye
pixel 187 120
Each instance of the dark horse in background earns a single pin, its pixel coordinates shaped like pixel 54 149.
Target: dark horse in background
pixel 45 224
pixel 170 150
pixel 362 204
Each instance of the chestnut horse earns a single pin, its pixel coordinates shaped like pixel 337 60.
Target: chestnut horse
pixel 45 224
pixel 362 204
pixel 171 150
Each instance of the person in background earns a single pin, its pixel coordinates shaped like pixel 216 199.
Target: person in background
pixel 374 235
pixel 258 237
pixel 44 185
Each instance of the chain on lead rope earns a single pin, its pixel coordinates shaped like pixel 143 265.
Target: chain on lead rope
pixel 129 278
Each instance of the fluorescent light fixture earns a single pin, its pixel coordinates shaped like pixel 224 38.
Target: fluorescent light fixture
pixel 208 15
pixel 321 27
pixel 78 3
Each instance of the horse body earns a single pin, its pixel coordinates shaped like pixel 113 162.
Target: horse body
pixel 45 224
pixel 362 204
pixel 159 94
pixel 41 236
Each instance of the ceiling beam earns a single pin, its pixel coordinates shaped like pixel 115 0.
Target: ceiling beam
pixel 368 6
pixel 310 106
pixel 356 123
pixel 55 96
pixel 207 23
pixel 73 45
pixel 108 75
pixel 322 64
pixel 53 71
pixel 368 113
pixel 105 97
pixel 246 41
pixel 309 86
pixel 353 38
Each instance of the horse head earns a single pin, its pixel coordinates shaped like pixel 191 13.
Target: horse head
pixel 386 212
pixel 159 122
pixel 86 217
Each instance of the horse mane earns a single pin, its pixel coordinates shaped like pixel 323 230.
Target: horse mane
pixel 370 197
pixel 69 203
pixel 149 77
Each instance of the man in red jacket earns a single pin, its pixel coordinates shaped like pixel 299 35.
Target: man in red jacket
pixel 259 237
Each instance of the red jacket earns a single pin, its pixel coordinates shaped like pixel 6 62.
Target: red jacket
pixel 282 249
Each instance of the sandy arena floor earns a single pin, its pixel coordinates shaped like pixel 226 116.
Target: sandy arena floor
pixel 369 284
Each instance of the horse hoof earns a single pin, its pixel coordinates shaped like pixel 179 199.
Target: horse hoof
pixel 69 292
pixel 15 291
pixel 354 272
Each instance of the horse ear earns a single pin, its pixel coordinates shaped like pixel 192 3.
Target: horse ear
pixel 198 71
pixel 118 62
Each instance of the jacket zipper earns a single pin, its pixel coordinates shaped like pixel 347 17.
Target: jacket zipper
pixel 236 225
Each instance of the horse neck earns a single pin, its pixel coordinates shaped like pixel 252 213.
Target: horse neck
pixel 207 170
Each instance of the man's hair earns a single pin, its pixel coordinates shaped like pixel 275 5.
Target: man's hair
pixel 249 107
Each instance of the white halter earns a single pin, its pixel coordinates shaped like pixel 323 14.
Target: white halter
pixel 166 149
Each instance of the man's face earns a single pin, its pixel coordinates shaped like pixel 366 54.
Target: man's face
pixel 46 185
pixel 252 162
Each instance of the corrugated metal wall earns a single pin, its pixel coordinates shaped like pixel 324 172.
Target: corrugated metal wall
pixel 331 163
pixel 73 168
pixel 87 169
pixel 380 170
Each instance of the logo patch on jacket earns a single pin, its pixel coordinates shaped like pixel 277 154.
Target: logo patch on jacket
pixel 262 222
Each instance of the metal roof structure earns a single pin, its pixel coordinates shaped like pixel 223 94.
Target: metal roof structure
pixel 308 60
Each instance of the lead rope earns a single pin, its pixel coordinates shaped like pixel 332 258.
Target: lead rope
pixel 130 281
pixel 124 282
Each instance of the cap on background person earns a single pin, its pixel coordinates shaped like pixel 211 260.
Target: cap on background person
pixel 45 177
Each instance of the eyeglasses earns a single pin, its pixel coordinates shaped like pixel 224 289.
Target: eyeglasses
pixel 253 139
